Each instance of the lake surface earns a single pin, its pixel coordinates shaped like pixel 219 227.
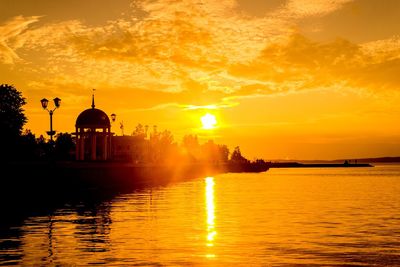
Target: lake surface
pixel 283 217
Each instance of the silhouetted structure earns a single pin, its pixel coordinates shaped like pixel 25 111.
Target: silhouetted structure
pixel 93 135
pixel 130 149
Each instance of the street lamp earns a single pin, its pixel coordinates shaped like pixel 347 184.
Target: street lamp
pixel 57 103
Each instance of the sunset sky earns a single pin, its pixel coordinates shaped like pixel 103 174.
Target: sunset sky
pixel 285 79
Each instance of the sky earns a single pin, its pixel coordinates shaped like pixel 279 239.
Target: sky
pixel 285 79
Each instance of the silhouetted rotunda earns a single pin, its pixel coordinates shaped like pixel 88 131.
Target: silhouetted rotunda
pixel 93 135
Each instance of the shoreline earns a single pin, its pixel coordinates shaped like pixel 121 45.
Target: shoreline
pixel 30 180
pixel 107 175
pixel 31 186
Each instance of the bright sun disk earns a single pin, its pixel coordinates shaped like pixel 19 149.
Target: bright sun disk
pixel 208 121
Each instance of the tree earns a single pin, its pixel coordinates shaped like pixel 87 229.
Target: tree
pixel 12 119
pixel 64 146
pixel 140 131
pixel 223 153
pixel 162 147
pixel 190 144
pixel 190 141
pixel 28 148
pixel 237 156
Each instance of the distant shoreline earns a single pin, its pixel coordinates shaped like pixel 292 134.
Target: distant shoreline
pixel 317 165
pixel 339 161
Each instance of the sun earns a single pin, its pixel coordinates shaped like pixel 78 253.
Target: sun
pixel 208 121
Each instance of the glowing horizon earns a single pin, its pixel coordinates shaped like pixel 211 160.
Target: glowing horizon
pixel 285 79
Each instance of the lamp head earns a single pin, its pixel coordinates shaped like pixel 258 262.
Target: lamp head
pixel 57 102
pixel 44 102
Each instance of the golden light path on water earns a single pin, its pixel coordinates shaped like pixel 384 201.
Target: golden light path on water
pixel 210 209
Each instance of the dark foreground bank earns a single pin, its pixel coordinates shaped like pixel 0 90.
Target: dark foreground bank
pixel 33 178
pixel 31 187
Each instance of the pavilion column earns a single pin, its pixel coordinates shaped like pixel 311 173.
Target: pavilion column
pixel 77 146
pixel 93 144
pixel 81 144
pixel 109 136
pixel 105 144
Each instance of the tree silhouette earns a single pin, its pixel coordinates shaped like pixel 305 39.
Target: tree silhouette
pixel 190 144
pixel 161 145
pixel 237 155
pixel 140 132
pixel 28 146
pixel 64 146
pixel 12 119
pixel 223 153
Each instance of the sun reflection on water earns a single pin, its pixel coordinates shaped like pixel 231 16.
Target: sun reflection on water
pixel 210 208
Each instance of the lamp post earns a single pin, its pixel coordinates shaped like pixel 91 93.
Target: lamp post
pixel 45 102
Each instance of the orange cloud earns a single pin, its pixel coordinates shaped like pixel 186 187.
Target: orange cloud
pixel 305 8
pixel 197 53
pixel 8 32
pixel 299 63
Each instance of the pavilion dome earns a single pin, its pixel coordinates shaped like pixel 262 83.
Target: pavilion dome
pixel 92 118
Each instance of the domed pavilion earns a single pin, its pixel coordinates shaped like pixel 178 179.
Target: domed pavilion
pixel 93 135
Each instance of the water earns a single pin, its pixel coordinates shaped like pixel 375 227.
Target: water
pixel 338 216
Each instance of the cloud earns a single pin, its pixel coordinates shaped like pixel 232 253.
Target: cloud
pixel 299 63
pixel 10 30
pixel 307 8
pixel 217 106
pixel 196 53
